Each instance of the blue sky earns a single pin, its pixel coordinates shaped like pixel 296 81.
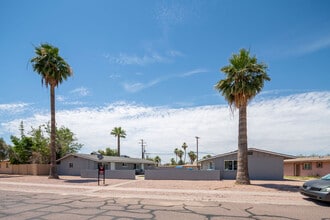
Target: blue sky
pixel 151 66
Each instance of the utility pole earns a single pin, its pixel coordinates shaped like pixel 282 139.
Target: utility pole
pixel 143 150
pixel 197 150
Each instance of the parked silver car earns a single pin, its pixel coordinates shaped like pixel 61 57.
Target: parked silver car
pixel 317 189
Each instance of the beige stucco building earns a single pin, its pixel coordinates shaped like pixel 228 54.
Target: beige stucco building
pixel 307 166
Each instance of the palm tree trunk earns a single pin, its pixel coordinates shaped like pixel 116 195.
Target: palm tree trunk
pixel 242 176
pixel 185 156
pixel 118 145
pixel 53 169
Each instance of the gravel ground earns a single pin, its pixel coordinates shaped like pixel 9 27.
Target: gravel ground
pixel 256 185
pixel 262 192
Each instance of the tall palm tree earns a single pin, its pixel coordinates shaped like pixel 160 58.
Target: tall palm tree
pixel 176 150
pixel 119 133
pixel 184 146
pixel 53 71
pixel 245 78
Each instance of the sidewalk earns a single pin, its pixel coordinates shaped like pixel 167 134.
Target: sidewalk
pixel 265 192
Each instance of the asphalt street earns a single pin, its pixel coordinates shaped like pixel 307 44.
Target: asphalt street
pixel 26 205
pixel 27 200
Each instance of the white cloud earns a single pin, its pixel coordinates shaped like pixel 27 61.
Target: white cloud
pixel 13 107
pixel 193 72
pixel 313 46
pixel 299 46
pixel 150 57
pixel 125 59
pixel 295 124
pixel 60 98
pixel 170 14
pixel 81 91
pixel 136 87
pixel 175 53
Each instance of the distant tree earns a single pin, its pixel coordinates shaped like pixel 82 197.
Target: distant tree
pixel 40 148
pixel 173 162
pixel 4 149
pixel 108 152
pixel 207 156
pixel 245 78
pixel 53 71
pixel 158 160
pixel 180 154
pixel 192 156
pixel 66 142
pixel 35 148
pixel 21 151
pixel 176 150
pixel 119 133
pixel 185 146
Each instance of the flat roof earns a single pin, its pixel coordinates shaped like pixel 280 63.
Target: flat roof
pixel 308 159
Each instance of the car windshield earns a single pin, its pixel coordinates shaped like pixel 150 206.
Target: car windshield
pixel 326 177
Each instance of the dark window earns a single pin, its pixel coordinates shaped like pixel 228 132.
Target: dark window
pixel 319 165
pixel 307 166
pixel 230 164
pixel 211 165
pixel 70 165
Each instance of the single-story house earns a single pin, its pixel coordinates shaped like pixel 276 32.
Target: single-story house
pixel 263 165
pixel 307 166
pixel 74 164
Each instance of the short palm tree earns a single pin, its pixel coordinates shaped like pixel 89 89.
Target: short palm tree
pixel 180 154
pixel 245 78
pixel 157 159
pixel 192 156
pixel 185 146
pixel 53 71
pixel 119 133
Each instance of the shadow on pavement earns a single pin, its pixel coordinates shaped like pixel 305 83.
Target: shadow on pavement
pixel 317 202
pixel 279 187
pixel 81 181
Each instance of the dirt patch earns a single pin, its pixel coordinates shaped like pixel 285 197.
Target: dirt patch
pixel 223 185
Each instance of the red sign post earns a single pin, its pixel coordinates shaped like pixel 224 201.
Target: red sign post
pixel 101 172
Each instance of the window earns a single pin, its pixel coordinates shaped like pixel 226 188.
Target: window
pixel 319 165
pixel 124 165
pixel 230 164
pixel 70 165
pixel 7 165
pixel 211 165
pixel 307 166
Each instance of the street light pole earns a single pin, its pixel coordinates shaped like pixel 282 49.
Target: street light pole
pixel 197 150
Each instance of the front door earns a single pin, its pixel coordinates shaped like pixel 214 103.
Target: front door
pixel 297 169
